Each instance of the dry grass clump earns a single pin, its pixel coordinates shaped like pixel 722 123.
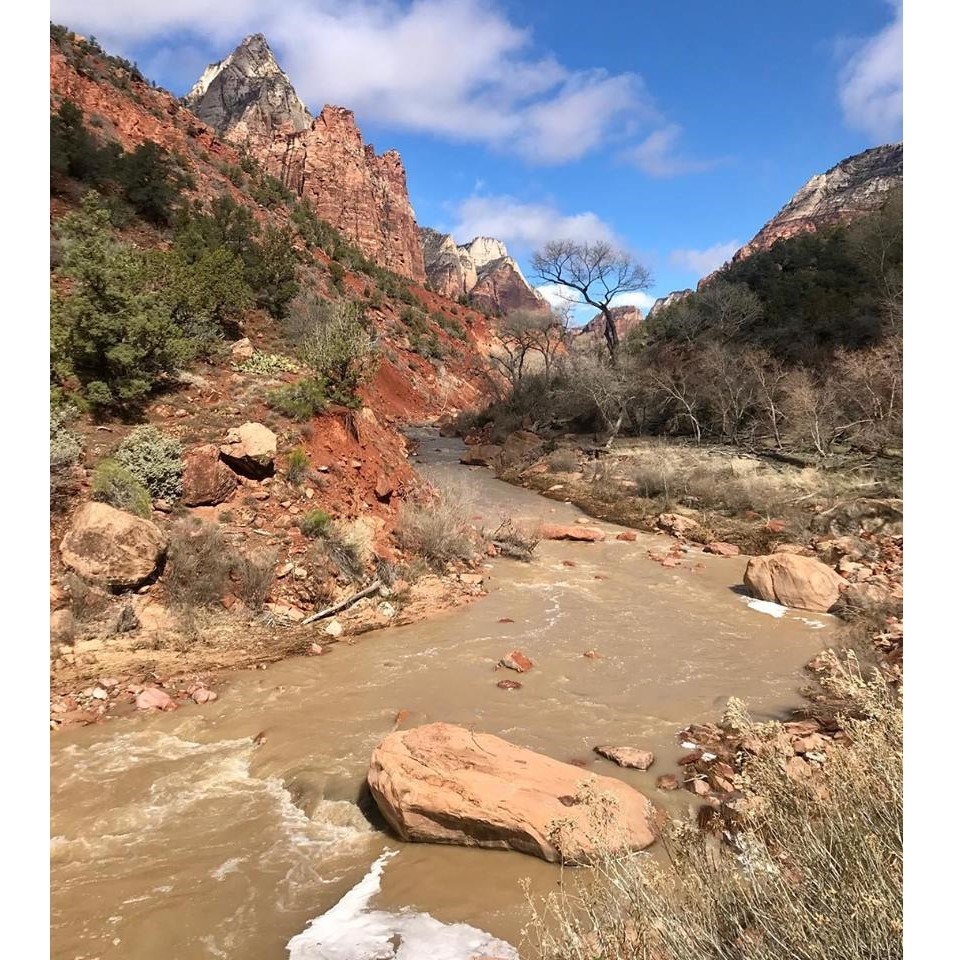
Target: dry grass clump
pixel 348 546
pixel 564 460
pixel 676 476
pixel 813 870
pixel 198 563
pixel 438 531
pixel 255 575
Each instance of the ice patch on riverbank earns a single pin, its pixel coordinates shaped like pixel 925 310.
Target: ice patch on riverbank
pixel 350 930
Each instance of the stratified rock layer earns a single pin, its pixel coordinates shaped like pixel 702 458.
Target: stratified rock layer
pixel 854 187
pixel 441 783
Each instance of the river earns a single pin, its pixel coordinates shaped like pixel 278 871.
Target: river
pixel 177 836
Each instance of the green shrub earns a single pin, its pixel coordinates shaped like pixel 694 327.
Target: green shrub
pixel 155 459
pixel 151 182
pixel 302 400
pixel 266 364
pixel 298 464
pixel 334 342
pixel 111 332
pixel 269 192
pixel 65 451
pixel 315 523
pixel 274 275
pixel 337 273
pixel 116 485
pixel 344 546
pixel 233 173
pixel 75 153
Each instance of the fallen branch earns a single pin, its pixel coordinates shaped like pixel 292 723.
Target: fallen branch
pixel 343 604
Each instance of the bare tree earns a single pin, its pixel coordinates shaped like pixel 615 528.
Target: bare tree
pixel 549 333
pixel 593 273
pixel 516 335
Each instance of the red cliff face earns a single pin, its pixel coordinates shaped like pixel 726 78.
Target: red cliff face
pixel 248 99
pixel 361 194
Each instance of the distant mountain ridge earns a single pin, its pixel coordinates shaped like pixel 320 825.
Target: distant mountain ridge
pixel 248 99
pixel 852 188
pixel 481 270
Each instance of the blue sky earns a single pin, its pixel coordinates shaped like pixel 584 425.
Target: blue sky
pixel 676 129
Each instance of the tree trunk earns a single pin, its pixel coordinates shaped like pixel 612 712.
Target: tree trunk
pixel 610 333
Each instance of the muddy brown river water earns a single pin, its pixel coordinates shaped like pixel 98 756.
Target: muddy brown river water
pixel 174 836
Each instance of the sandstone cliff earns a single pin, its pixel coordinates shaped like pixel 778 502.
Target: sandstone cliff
pixel 625 319
pixel 481 270
pixel 854 187
pixel 248 98
pixel 661 303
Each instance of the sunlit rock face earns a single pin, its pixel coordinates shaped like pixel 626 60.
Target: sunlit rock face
pixel 247 98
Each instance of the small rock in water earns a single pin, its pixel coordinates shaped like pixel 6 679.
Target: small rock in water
pixel 667 781
pixel 627 536
pixel 153 698
pixel 505 620
pixel 591 654
pixel 627 757
pixel 509 684
pixel 203 695
pixel 516 660
pixel 334 629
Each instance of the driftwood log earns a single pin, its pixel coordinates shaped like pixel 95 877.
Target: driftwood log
pixel 343 604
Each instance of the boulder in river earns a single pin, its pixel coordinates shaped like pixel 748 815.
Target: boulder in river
pixel 629 757
pixel 441 783
pixel 556 531
pixel 793 581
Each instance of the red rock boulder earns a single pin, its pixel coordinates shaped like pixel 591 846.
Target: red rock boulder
pixel 207 480
pixel 441 783
pixel 793 581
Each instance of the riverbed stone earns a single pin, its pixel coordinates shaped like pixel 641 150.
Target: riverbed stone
pixel 556 531
pixel 441 783
pixel 482 455
pixel 629 757
pixel 794 581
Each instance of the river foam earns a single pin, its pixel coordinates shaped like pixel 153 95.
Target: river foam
pixel 351 930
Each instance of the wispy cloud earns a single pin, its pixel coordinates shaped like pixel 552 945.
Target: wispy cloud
pixel 702 262
pixel 658 155
pixel 525 225
pixel 459 69
pixel 871 81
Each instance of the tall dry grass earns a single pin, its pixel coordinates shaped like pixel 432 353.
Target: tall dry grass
pixel 812 870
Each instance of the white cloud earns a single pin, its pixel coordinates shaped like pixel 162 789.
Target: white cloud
pixel 657 155
pixel 635 298
pixel 871 82
pixel 702 262
pixel 454 68
pixel 525 225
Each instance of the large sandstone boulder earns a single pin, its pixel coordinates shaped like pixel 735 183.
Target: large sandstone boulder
pixel 793 581
pixel 250 450
pixel 441 783
pixel 108 546
pixel 482 455
pixel 207 479
pixel 518 446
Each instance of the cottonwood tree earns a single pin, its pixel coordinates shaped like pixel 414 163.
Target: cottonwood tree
pixel 522 333
pixel 594 274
